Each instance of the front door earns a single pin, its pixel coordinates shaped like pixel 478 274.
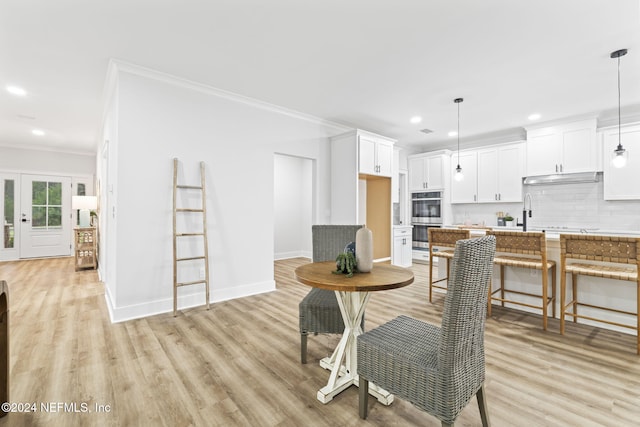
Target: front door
pixel 45 216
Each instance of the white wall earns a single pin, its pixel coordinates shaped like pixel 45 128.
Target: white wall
pixel 293 191
pixel 46 162
pixel 159 118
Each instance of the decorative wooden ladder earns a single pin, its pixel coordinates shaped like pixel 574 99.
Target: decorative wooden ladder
pixel 176 235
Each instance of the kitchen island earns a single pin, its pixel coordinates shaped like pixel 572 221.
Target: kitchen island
pixel 618 294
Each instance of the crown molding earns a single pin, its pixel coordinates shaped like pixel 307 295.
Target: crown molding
pixel 47 149
pixel 116 66
pixel 562 121
pixel 477 141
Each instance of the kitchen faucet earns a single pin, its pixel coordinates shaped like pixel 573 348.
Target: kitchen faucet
pixel 525 211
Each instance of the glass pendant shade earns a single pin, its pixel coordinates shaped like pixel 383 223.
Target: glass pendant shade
pixel 459 176
pixel 619 157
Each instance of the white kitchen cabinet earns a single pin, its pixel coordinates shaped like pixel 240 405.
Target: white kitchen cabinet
pixel 402 251
pixel 622 183
pixel 358 198
pixel 375 155
pixel 465 191
pixel 563 148
pixel 500 172
pixel 427 171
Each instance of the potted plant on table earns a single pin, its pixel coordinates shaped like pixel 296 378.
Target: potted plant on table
pixel 508 220
pixel 346 264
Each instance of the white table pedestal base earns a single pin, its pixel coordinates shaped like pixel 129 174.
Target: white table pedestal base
pixel 343 363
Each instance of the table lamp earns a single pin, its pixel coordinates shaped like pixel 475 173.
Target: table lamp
pixel 84 204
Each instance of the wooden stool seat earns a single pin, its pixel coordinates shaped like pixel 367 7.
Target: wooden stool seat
pixel 514 261
pixel 443 254
pixel 605 271
pixel 524 250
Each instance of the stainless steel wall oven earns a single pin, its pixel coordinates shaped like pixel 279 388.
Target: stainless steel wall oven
pixel 426 208
pixel 426 212
pixel 421 235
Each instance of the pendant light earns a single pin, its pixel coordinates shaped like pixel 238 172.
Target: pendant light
pixel 619 155
pixel 459 176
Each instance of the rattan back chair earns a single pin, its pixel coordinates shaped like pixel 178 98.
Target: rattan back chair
pixel 442 241
pixel 517 249
pixel 622 258
pixel 319 311
pixel 438 369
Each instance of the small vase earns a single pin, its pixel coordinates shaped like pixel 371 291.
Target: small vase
pixel 364 249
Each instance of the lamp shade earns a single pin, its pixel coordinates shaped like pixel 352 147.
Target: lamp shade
pixel 84 202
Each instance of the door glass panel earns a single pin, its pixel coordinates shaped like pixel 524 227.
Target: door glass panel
pixel 8 224
pixel 81 190
pixel 54 217
pixel 39 216
pixel 46 211
pixel 39 193
pixel 55 193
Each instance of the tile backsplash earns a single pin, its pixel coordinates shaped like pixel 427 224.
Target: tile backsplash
pixel 561 205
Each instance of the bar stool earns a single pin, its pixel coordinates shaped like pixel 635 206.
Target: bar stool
pixel 440 238
pixel 524 250
pixel 605 249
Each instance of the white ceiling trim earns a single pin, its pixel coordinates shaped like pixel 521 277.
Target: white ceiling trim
pixel 116 65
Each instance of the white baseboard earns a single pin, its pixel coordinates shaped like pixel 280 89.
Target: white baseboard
pixel 196 299
pixel 292 254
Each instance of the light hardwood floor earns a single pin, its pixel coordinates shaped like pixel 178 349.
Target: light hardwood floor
pixel 238 364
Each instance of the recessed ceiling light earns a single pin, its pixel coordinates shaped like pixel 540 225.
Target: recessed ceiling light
pixel 37 132
pixel 15 90
pixel 453 133
pixel 534 116
pixel 416 119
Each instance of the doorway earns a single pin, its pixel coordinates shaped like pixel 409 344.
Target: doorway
pixel 293 206
pixel 45 216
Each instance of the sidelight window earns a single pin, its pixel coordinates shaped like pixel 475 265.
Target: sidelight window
pixel 8 223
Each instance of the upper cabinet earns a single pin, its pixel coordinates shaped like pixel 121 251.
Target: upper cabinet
pixel 500 172
pixel 564 148
pixel 622 183
pixel 491 175
pixel 427 171
pixel 465 191
pixel 375 154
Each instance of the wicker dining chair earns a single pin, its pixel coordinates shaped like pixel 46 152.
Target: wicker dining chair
pixel 319 311
pixel 438 369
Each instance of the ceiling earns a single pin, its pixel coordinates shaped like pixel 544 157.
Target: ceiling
pixel 371 64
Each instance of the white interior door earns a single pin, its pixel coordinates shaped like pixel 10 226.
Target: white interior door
pixel 45 216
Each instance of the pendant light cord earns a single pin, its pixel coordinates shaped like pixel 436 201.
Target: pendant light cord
pixel 619 126
pixel 458 133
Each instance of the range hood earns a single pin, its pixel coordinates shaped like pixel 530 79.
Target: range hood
pixel 562 178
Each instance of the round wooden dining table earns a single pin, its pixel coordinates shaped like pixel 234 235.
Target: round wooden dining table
pixel 353 295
